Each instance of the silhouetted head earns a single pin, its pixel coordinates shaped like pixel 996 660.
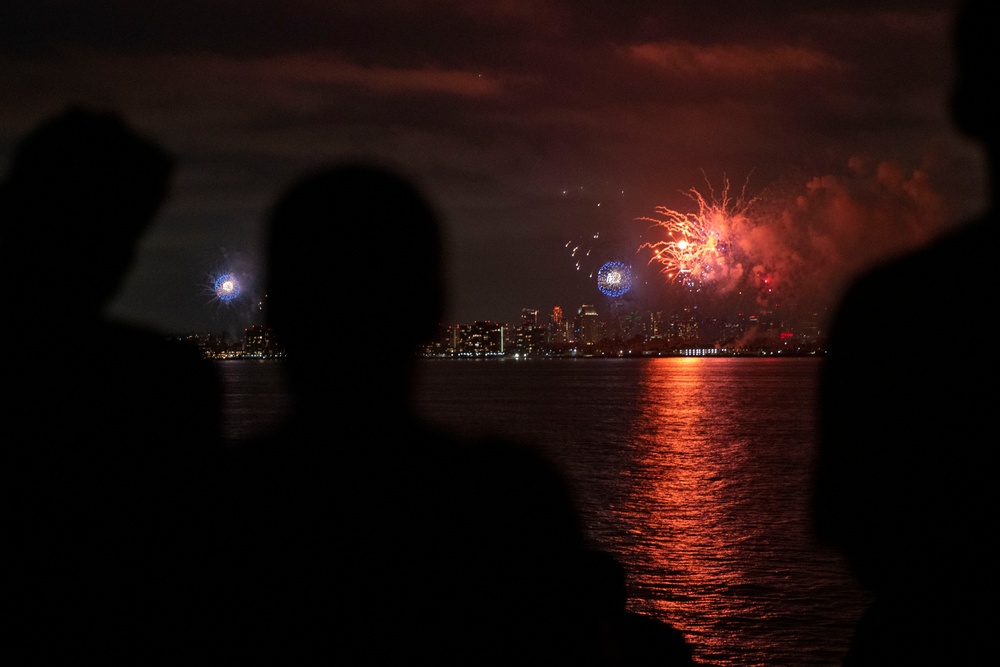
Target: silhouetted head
pixel 975 104
pixel 354 263
pixel 80 191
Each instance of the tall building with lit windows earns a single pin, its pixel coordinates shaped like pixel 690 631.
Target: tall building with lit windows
pixel 588 325
pixel 558 327
pixel 530 338
pixel 259 341
pixel 483 339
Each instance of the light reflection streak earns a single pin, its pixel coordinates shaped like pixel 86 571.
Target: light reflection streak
pixel 706 549
pixel 683 535
pixel 694 472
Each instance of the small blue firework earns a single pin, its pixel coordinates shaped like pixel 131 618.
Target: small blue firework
pixel 614 279
pixel 227 287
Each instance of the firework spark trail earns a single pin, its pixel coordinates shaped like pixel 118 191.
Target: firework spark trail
pixel 580 253
pixel 603 258
pixel 697 245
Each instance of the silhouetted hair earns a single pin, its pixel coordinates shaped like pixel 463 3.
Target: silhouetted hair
pixel 349 242
pixel 81 189
pixel 85 174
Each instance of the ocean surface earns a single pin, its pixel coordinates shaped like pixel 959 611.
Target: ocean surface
pixel 694 471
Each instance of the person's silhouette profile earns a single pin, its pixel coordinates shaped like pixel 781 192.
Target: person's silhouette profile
pixel 107 425
pixel 446 551
pixel 905 476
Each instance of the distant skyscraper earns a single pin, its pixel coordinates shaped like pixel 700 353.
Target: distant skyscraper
pixel 484 338
pixel 588 325
pixel 558 327
pixel 529 317
pixel 259 341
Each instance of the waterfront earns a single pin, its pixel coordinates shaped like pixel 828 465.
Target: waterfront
pixel 694 471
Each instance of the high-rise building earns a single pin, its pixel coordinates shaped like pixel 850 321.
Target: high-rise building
pixel 558 329
pixel 483 338
pixel 530 338
pixel 259 341
pixel 588 325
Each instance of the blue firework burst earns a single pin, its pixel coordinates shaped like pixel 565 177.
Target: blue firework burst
pixel 614 279
pixel 227 287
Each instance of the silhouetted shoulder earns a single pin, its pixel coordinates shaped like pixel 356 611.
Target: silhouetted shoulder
pixel 111 428
pixel 181 391
pixel 523 485
pixel 904 474
pixel 953 267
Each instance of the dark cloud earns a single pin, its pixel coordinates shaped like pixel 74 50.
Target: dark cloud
pixel 529 123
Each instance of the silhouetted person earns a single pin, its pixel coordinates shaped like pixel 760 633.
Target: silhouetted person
pixel 368 535
pixel 906 476
pixel 632 639
pixel 107 426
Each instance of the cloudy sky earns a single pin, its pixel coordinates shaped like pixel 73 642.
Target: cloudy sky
pixel 534 126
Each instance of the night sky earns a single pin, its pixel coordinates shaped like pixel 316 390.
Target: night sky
pixel 530 124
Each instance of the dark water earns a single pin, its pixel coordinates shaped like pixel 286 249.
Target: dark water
pixel 695 471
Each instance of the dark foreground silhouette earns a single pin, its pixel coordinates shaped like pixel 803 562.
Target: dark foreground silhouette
pixel 906 479
pixel 361 533
pixel 106 425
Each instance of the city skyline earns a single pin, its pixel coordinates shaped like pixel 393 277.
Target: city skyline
pixel 622 331
pixel 535 128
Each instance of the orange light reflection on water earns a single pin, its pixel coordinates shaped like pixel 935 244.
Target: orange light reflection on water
pixel 682 538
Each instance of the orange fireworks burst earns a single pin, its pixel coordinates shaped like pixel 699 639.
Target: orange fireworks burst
pixel 696 246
